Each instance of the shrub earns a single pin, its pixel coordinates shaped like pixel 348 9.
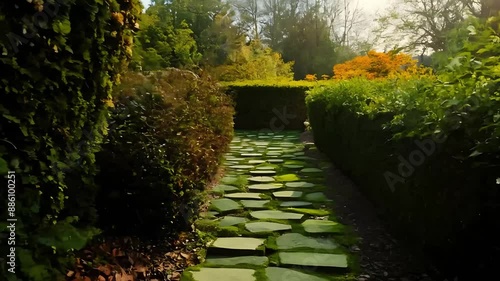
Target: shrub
pixel 59 60
pixel 379 65
pixel 168 132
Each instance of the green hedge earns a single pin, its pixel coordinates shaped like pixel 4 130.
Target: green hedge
pixel 426 152
pixel 59 60
pixel 167 134
pixel 270 106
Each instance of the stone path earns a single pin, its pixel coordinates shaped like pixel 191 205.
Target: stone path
pixel 271 219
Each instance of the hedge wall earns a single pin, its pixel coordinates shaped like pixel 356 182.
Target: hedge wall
pixel 59 60
pixel 426 189
pixel 267 106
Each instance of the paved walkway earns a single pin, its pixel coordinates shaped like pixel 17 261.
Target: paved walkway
pixel 271 218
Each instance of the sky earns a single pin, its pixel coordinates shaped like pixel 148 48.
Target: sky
pixel 370 6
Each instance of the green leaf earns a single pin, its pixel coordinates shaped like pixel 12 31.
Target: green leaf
pixel 472 30
pixel 15 163
pixel 62 27
pixel 12 118
pixel 24 130
pixel 475 153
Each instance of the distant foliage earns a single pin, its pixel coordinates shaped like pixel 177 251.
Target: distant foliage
pixel 168 131
pixel 379 65
pixel 311 77
pixel 161 43
pixel 254 62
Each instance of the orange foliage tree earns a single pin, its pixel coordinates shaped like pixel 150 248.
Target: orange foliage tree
pixel 379 65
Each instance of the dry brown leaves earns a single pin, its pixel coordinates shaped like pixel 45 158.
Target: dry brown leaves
pixel 128 259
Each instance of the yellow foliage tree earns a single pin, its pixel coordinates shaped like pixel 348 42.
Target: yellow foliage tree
pixel 379 65
pixel 254 62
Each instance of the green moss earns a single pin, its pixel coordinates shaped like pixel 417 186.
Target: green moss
pixel 260 275
pixel 313 212
pixel 207 225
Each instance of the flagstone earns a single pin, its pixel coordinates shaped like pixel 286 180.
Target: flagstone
pixel 230 220
pixel 237 261
pixel 266 226
pixel 254 204
pixel 278 273
pixel 244 195
pixel 313 259
pixel 322 226
pixel 223 274
pixel 275 214
pixel 262 179
pixel 224 205
pixel 237 243
pixel 290 241
pixel 287 194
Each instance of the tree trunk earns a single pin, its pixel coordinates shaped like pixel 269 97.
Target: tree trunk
pixel 489 8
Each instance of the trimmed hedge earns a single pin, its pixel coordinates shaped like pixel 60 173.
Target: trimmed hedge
pixel 58 63
pixel 274 107
pixel 168 132
pixel 424 184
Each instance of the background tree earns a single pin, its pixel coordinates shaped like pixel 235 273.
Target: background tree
pixel 250 12
pixel 423 23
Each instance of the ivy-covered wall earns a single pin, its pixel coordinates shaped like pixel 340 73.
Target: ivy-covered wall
pixel 58 63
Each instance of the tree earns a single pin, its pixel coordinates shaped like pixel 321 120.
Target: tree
pixel 309 46
pixel 423 23
pixel 221 39
pixel 164 41
pixel 250 12
pixel 254 61
pixel 275 26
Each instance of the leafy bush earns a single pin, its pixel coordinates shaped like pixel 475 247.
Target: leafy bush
pixel 379 65
pixel 59 60
pixel 168 131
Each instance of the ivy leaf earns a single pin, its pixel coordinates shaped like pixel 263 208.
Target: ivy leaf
pixel 475 153
pixel 12 118
pixel 62 27
pixel 86 55
pixel 15 163
pixel 452 102
pixel 455 63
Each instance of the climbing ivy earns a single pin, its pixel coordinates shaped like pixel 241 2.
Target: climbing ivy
pixel 59 61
